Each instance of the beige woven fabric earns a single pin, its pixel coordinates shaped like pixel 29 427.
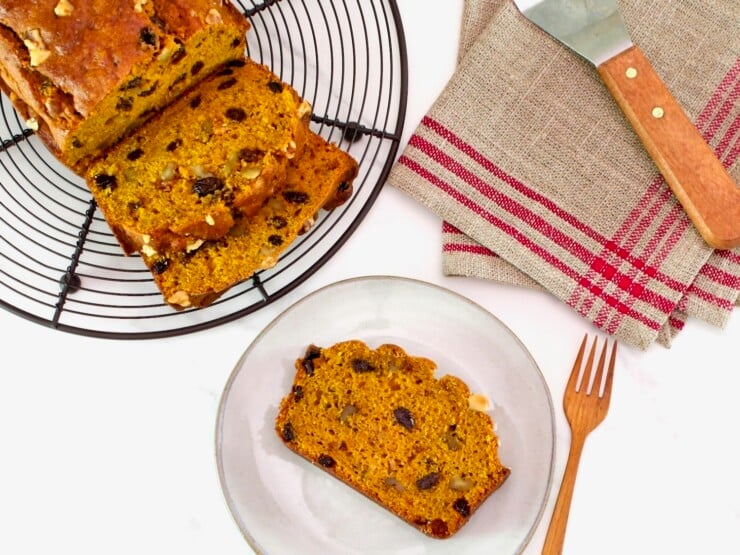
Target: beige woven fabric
pixel 542 182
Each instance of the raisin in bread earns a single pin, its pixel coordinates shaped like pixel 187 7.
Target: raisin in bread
pixel 382 423
pixel 215 153
pixel 321 178
pixel 83 73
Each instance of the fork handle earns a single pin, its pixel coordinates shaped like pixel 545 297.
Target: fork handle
pixel 556 532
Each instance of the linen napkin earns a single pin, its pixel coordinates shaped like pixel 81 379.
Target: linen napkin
pixel 541 182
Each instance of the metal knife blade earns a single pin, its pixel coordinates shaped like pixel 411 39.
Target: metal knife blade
pixel 595 29
pixel 592 28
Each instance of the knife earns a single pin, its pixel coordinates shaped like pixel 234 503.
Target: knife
pixel 595 30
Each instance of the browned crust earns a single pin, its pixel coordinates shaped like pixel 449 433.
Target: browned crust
pixel 88 56
pixel 96 49
pixel 425 528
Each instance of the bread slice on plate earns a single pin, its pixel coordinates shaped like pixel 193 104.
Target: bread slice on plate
pixel 379 421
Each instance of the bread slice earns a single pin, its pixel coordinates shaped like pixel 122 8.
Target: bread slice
pixel 85 73
pixel 213 155
pixel 321 178
pixel 378 420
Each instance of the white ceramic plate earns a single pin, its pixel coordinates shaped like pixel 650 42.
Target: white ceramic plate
pixel 284 505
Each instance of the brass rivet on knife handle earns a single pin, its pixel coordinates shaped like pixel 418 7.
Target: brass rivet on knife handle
pixel 701 184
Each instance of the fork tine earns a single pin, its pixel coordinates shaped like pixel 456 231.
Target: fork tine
pixel 610 375
pixel 587 369
pixel 600 371
pixel 573 380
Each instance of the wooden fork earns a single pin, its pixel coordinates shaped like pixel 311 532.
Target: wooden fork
pixel 585 408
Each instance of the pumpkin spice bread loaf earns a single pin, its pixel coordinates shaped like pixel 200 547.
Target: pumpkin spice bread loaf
pixel 378 420
pixel 213 155
pixel 83 73
pixel 320 178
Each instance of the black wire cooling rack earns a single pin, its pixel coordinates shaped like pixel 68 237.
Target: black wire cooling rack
pixel 61 267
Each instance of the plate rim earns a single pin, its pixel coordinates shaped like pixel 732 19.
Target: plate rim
pixel 251 541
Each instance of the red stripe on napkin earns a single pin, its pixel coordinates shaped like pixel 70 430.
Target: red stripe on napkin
pixel 724 85
pixel 656 300
pixel 729 136
pixel 676 323
pixel 469 249
pixel 730 81
pixel 729 255
pixel 720 276
pixel 624 254
pixel 633 228
pixel 709 298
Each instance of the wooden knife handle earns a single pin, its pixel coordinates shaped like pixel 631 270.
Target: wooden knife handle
pixel 701 184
